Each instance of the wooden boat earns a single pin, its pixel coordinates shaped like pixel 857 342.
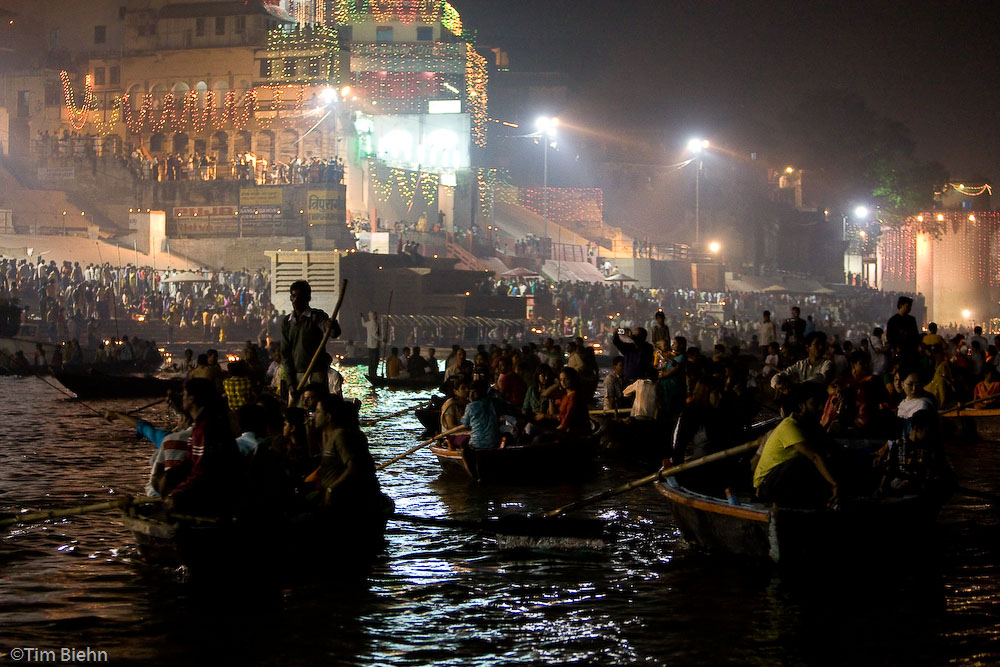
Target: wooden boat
pixel 517 464
pixel 322 535
pixel 95 384
pixel 974 424
pixel 430 381
pixel 856 531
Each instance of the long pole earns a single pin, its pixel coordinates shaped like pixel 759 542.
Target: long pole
pixel 697 205
pixel 385 331
pixel 545 183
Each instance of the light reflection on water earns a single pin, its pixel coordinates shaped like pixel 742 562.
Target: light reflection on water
pixel 446 596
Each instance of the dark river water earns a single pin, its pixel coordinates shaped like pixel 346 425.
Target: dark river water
pixel 449 596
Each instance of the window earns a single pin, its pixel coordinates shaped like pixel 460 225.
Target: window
pixel 425 34
pixel 99 76
pixel 220 25
pixel 199 27
pixel 114 75
pixel 54 37
pixel 100 34
pixel 241 25
pixel 345 32
pixel 383 34
pixel 265 69
pixel 53 94
pixel 23 103
pixel 289 67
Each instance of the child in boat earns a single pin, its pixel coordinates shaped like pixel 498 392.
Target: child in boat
pixel 915 463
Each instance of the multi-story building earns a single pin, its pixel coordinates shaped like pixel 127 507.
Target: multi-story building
pixel 391 89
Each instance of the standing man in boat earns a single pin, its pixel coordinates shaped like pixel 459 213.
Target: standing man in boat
pixel 373 336
pixel 301 334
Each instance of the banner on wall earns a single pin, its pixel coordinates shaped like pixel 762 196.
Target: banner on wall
pixel 267 196
pixel 262 212
pixel 325 207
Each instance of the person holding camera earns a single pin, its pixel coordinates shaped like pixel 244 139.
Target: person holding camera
pixel 637 352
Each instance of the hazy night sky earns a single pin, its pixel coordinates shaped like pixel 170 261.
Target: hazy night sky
pixel 693 66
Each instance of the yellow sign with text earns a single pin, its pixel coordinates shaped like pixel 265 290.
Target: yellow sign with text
pixel 326 207
pixel 260 196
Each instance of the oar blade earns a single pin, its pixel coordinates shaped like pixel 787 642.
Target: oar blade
pixel 528 533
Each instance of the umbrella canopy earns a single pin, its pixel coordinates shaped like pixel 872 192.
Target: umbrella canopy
pixel 187 277
pixel 621 278
pixel 776 288
pixel 521 272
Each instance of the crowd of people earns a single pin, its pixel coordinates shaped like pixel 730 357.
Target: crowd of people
pixel 886 386
pixel 71 301
pixel 263 437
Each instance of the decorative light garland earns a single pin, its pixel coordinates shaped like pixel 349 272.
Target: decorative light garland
pixel 78 116
pixel 972 191
pixel 403 182
pixel 476 97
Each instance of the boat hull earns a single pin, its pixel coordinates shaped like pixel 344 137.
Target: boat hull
pixel 207 544
pixel 100 385
pixel 520 465
pixel 852 533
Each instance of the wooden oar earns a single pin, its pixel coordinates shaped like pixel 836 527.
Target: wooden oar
pixel 649 479
pixel 326 336
pixel 371 422
pixel 423 444
pixel 610 413
pixel 80 509
pixel 70 395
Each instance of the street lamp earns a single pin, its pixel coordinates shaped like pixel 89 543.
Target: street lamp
pixel 714 247
pixel 546 127
pixel 697 146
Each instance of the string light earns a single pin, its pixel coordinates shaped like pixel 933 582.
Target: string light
pixel 476 99
pixel 578 205
pixel 78 116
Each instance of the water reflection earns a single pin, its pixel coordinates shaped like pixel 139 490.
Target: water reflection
pixel 446 595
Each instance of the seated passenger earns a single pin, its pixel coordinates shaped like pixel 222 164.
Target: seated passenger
pixel 815 368
pixel 916 463
pixel 574 419
pixel 792 471
pixel 482 417
pixel 393 365
pixel 509 384
pixel 644 404
pixel 209 476
pixel 989 388
pixel 347 470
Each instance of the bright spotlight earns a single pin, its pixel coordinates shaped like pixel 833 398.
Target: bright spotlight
pixel 547 125
pixel 966 314
pixel 714 247
pixel 328 95
pixel 697 145
pixel 861 212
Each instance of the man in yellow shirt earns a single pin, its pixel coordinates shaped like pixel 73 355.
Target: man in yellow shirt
pixel 791 470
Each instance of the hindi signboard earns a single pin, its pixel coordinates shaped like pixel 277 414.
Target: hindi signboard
pixel 262 212
pixel 265 196
pixel 206 220
pixel 326 207
pixel 56 173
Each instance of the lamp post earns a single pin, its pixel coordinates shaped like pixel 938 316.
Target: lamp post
pixel 696 146
pixel 546 127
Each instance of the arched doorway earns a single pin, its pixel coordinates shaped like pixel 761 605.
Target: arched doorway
pixel 136 94
pixel 181 141
pixel 288 147
pixel 156 143
pixel 265 145
pixel 241 143
pixel 220 147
